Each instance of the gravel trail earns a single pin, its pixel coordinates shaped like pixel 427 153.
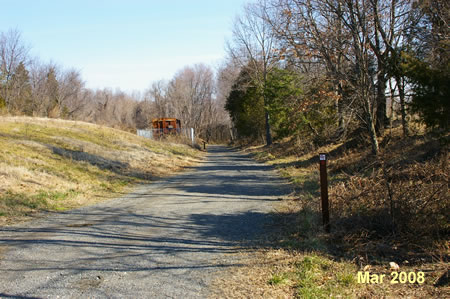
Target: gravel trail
pixel 164 240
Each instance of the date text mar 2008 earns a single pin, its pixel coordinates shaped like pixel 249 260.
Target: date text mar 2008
pixel 394 277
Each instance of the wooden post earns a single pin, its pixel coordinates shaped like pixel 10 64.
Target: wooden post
pixel 324 191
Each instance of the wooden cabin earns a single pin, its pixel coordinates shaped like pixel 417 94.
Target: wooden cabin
pixel 166 125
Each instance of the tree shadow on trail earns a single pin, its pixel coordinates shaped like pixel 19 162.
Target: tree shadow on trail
pixel 150 232
pixel 232 174
pixel 116 240
pixel 119 168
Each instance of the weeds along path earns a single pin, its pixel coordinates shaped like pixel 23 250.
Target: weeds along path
pixel 166 239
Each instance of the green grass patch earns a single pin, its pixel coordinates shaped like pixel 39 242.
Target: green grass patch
pixel 18 203
pixel 314 275
pixel 263 156
pixel 183 152
pixel 12 203
pixel 305 181
pixel 320 277
pixel 278 279
pixel 114 185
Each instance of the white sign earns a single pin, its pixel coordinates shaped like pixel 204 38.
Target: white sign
pixel 322 157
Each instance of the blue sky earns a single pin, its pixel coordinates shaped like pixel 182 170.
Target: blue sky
pixel 124 44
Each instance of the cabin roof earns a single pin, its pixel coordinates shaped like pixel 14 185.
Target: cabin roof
pixel 165 119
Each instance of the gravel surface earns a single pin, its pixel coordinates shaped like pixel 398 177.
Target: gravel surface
pixel 165 240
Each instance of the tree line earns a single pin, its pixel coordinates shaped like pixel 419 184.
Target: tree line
pixel 30 87
pixel 320 69
pixel 315 69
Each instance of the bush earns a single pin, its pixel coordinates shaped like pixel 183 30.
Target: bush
pixel 411 200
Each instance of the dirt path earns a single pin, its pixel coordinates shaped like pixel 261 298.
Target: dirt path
pixel 165 240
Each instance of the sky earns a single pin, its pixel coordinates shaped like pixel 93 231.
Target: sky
pixel 126 44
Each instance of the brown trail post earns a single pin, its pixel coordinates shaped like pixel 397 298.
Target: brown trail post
pixel 324 191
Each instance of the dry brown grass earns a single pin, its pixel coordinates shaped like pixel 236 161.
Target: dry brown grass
pixel 251 280
pixel 396 200
pixel 52 164
pixel 393 207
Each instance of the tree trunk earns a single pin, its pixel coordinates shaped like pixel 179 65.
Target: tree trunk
pixel 381 120
pixel 373 134
pixel 401 93
pixel 266 113
pixel 340 109
pixel 371 125
pixel 391 109
pixel 268 134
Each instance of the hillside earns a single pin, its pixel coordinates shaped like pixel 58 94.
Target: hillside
pixel 390 208
pixel 52 164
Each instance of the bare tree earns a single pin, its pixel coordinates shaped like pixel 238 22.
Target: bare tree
pixel 313 39
pixel 157 94
pixel 254 46
pixel 353 40
pixel 226 76
pixel 39 74
pixel 143 113
pixel 190 96
pixel 71 94
pixel 12 53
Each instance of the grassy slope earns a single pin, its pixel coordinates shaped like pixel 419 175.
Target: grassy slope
pixel 306 263
pixel 49 164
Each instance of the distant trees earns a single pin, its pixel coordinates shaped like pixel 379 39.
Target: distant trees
pixel 29 87
pixel 19 92
pixel 13 53
pixel 226 76
pixel 191 92
pixel 190 96
pixel 315 69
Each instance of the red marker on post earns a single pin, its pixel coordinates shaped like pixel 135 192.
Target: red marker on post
pixel 324 191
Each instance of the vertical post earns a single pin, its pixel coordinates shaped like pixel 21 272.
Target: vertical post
pixel 192 136
pixel 324 191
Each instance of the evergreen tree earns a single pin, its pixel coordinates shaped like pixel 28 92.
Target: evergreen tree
pixel 246 107
pixel 21 91
pixel 429 71
pixel 52 87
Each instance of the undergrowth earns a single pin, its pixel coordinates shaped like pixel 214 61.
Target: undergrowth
pixel 390 208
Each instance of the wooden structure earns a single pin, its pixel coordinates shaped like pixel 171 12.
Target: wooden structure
pixel 164 126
